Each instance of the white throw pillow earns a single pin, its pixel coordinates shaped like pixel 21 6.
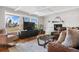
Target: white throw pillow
pixel 68 40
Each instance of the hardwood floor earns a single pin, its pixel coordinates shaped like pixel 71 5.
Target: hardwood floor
pixel 4 50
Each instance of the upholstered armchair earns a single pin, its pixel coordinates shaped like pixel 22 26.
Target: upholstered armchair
pixel 4 41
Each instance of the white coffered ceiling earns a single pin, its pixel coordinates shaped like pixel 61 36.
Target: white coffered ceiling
pixel 42 10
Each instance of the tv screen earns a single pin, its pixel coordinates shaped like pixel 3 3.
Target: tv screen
pixel 29 26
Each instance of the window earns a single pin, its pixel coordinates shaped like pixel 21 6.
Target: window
pixel 12 23
pixel 34 20
pixel 26 19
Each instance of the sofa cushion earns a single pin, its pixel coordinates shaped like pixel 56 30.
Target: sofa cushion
pixel 11 38
pixel 68 40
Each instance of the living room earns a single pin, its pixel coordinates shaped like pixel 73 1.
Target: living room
pixel 21 27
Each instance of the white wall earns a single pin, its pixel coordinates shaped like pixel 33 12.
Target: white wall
pixel 2 19
pixel 41 20
pixel 71 19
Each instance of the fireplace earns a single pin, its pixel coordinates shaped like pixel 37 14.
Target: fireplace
pixel 56 26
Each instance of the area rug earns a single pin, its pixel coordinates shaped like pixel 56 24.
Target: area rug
pixel 28 47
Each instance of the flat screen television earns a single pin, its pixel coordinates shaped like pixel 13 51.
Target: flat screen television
pixel 29 26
